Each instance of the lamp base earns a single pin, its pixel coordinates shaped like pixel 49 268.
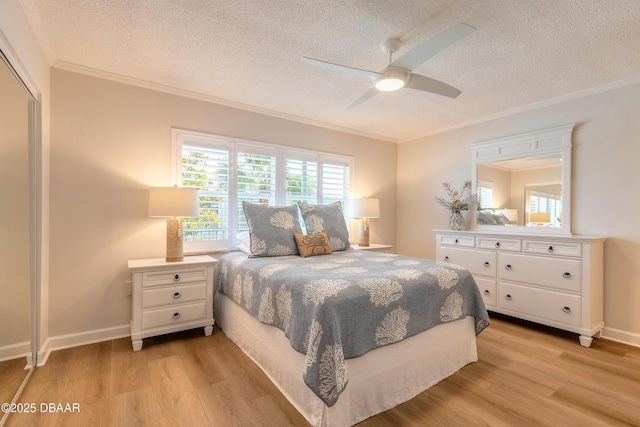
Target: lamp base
pixel 174 240
pixel 364 232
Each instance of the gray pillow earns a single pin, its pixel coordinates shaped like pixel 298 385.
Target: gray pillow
pixel 327 218
pixel 271 229
pixel 486 218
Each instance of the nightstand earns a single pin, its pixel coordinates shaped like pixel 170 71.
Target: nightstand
pixel 373 247
pixel 171 296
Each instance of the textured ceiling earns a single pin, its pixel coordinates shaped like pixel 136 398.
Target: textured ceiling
pixel 248 53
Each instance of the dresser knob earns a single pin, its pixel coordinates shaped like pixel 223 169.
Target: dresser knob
pixel 446 258
pixel 497 244
pixel 507 297
pixel 176 316
pixel 177 295
pixel 550 249
pixel 176 278
pixel 507 267
pixel 567 275
pixel 486 264
pixel 486 292
pixel 566 309
pixel 455 241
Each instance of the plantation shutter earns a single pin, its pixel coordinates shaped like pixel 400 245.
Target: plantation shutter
pixel 256 180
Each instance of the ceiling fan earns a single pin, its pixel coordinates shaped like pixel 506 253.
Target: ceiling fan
pixel 398 73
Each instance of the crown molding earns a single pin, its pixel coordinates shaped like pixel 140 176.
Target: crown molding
pixel 67 66
pixel 535 106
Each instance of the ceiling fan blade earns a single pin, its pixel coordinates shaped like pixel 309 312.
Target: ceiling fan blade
pixel 341 68
pixel 428 48
pixel 368 94
pixel 427 84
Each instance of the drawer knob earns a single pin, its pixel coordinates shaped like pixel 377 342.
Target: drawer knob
pixel 176 278
pixel 486 292
pixel 507 267
pixel 567 275
pixel 550 248
pixel 507 297
pixel 455 241
pixel 177 295
pixel 486 264
pixel 446 258
pixel 497 244
pixel 176 316
pixel 566 309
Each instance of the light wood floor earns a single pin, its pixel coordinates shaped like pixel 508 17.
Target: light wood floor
pixel 527 375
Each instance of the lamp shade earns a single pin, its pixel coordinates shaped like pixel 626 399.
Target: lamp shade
pixel 364 208
pixel 540 217
pixel 173 202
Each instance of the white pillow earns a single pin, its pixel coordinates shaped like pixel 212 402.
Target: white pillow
pixel 244 239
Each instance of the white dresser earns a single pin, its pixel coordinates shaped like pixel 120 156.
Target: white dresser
pixel 171 296
pixel 553 280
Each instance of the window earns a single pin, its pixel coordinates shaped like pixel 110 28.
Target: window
pixel 540 201
pixel 486 194
pixel 228 171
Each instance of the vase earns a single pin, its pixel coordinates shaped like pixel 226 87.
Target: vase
pixel 456 221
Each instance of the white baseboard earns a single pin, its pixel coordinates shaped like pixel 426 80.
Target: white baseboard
pixel 81 338
pixel 15 351
pixel 620 336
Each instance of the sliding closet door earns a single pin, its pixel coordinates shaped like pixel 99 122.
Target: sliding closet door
pixel 16 232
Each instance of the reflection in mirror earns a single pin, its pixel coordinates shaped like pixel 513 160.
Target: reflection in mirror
pixel 16 214
pixel 524 182
pixel 517 192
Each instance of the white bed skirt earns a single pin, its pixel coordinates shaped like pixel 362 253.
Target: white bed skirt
pixel 378 381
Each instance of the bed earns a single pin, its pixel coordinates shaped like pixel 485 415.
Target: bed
pixel 348 334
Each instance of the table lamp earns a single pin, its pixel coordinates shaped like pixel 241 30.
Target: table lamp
pixel 364 209
pixel 175 203
pixel 540 218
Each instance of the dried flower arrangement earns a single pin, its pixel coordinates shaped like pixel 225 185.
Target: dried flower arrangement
pixel 457 201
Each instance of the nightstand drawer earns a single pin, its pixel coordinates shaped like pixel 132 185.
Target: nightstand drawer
pixel 158 278
pixel 171 295
pixel 173 315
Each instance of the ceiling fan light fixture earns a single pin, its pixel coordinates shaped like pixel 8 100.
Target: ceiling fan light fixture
pixel 389 83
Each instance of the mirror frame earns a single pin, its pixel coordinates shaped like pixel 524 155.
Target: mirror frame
pixel 548 141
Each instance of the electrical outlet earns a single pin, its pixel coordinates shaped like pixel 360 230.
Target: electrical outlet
pixel 128 285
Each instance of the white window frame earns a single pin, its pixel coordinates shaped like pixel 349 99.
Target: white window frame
pixel 236 145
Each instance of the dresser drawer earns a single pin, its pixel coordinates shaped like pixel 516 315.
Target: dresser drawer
pixel 513 245
pixel 465 241
pixel 558 273
pixel 541 303
pixel 552 248
pixel 482 263
pixel 173 315
pixel 171 295
pixel 168 277
pixel 488 290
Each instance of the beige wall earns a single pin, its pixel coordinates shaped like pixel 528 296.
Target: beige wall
pixel 606 175
pixel 110 143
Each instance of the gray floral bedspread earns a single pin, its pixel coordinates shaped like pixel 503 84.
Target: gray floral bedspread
pixel 339 306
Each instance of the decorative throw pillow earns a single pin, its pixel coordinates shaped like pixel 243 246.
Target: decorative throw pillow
pixel 271 229
pixel 314 244
pixel 328 218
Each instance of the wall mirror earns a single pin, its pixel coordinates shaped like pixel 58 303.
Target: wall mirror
pixel 17 228
pixel 524 182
